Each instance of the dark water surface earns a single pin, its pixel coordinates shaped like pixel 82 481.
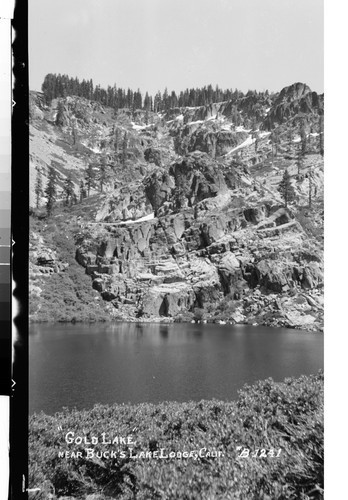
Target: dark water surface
pixel 80 365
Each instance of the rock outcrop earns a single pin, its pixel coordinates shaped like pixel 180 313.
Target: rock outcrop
pixel 295 101
pixel 190 224
pixel 208 139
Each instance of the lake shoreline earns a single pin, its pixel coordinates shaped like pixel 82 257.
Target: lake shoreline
pixel 168 321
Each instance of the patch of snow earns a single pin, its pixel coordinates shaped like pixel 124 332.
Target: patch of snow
pixel 246 181
pixel 95 150
pixel 194 123
pixel 137 127
pixel 146 217
pixel 141 219
pixel 297 139
pixel 267 110
pixel 180 117
pixel 241 128
pixel 247 142
pixel 314 134
pixel 140 127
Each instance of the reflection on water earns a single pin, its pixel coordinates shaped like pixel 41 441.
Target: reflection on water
pixel 80 365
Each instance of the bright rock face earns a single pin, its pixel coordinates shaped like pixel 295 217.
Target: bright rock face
pixel 189 222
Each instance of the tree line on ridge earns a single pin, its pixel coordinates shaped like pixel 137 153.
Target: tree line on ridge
pixel 117 98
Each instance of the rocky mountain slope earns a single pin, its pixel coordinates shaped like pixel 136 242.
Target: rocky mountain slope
pixel 189 224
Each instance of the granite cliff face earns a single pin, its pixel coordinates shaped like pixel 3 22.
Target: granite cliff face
pixel 296 101
pixel 190 224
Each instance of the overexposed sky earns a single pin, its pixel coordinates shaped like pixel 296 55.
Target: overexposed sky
pixel 153 44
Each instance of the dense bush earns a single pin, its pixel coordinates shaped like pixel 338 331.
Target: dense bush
pixel 225 308
pixel 268 415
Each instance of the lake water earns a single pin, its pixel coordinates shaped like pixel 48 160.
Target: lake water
pixel 80 365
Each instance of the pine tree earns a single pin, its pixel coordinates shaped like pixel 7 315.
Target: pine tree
pixel 38 187
pixel 275 142
pixel 180 190
pixel 83 192
pixel 256 136
pixel 299 161
pixel 104 173
pixel 165 99
pixel 68 190
pixel 137 100
pixel 156 197
pixel 285 188
pixel 290 137
pixel 146 102
pixel 124 148
pixel 310 179
pixel 51 190
pixel 173 99
pixel 303 136
pixel 96 94
pixel 59 86
pixel 210 94
pixel 146 117
pixel 89 178
pixel 129 98
pixel 235 116
pixel 90 89
pixel 73 133
pixel 48 88
pixel 60 114
pixel 257 140
pixel 117 138
pixel 321 135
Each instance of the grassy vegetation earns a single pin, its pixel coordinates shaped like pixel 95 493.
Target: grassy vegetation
pixel 68 295
pixel 268 415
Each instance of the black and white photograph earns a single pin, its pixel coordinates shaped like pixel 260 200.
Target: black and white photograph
pixel 176 249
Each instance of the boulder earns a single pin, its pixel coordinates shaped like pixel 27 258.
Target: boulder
pixel 296 99
pixel 312 276
pixel 231 275
pixel 158 187
pixel 229 264
pixel 98 284
pixel 108 296
pixel 274 275
pixel 168 300
pixel 213 230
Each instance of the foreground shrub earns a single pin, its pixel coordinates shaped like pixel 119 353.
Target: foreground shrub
pixel 268 415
